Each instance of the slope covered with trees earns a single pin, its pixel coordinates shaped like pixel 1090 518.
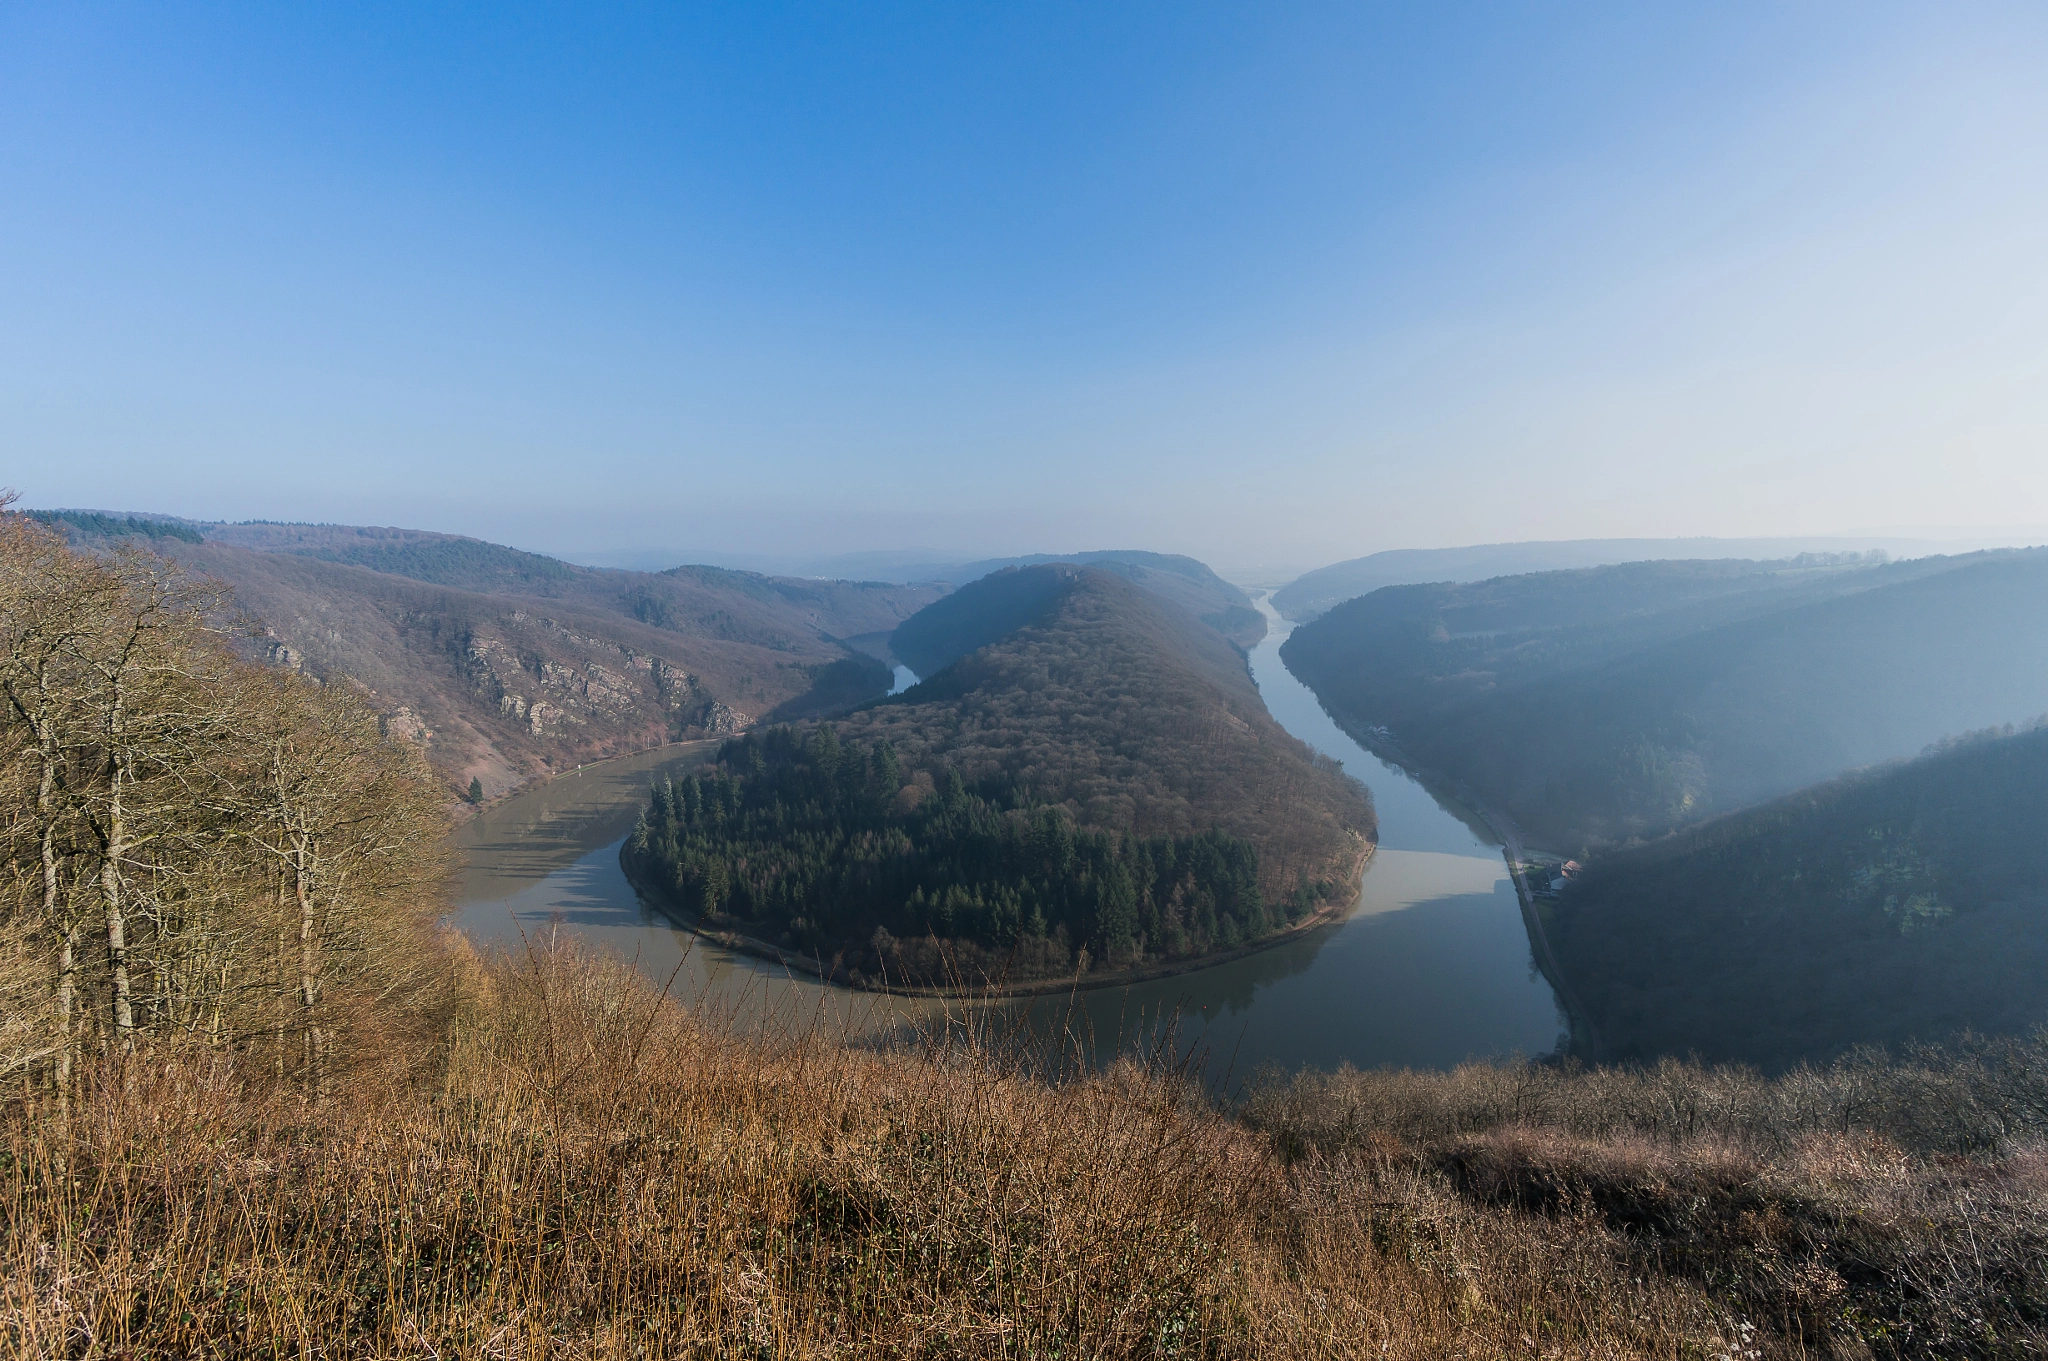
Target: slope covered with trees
pixel 1596 706
pixel 780 613
pixel 1903 903
pixel 821 847
pixel 1184 581
pixel 1068 698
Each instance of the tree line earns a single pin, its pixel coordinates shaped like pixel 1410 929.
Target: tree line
pixel 198 851
pixel 833 849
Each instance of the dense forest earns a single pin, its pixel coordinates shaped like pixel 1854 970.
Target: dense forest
pixel 1086 768
pixel 1619 702
pixel 1903 903
pixel 1124 708
pixel 825 848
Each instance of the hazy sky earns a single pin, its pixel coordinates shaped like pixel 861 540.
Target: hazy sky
pixel 1261 283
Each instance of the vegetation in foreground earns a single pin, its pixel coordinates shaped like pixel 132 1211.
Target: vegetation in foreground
pixel 587 1168
pixel 832 851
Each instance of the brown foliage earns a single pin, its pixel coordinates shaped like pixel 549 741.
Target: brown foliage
pixel 602 1172
pixel 196 851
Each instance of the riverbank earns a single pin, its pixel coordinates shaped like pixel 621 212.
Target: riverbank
pixel 1584 1041
pixel 831 975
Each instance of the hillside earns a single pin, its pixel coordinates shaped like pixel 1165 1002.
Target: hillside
pixel 1184 581
pixel 505 665
pixel 1617 702
pixel 1126 710
pixel 1057 690
pixel 711 602
pixel 1903 903
pixel 1315 592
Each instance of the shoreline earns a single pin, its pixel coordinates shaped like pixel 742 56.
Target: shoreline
pixel 663 902
pixel 464 812
pixel 1456 792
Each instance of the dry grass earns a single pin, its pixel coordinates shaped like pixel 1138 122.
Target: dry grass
pixel 596 1172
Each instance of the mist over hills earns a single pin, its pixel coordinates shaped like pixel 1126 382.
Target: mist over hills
pixel 1609 703
pixel 1896 904
pixel 1315 592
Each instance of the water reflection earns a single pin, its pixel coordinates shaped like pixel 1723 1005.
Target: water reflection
pixel 1431 966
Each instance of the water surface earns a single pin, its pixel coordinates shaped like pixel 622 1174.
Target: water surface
pixel 1430 967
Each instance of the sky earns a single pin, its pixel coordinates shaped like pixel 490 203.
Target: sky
pixel 1265 284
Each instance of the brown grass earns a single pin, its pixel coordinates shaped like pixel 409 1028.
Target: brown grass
pixel 594 1171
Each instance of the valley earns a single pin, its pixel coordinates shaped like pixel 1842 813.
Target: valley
pixel 1427 968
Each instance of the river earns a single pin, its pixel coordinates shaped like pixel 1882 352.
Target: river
pixel 1430 967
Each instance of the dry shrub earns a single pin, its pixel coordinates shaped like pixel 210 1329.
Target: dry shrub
pixel 1793 1201
pixel 590 1169
pixel 598 1172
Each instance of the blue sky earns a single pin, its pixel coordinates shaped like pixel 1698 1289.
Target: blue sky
pixel 1261 283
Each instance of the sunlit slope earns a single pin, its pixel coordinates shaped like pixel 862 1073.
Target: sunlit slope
pixel 510 686
pixel 1907 902
pixel 1610 720
pixel 711 602
pixel 1092 692
pixel 505 664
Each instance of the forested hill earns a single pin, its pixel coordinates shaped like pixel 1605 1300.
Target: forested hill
pixel 1595 706
pixel 1124 708
pixel 1184 581
pixel 504 664
pixel 1070 693
pixel 1906 902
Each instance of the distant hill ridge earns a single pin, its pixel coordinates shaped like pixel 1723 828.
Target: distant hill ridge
pixel 1315 592
pixel 1185 581
pixel 1597 705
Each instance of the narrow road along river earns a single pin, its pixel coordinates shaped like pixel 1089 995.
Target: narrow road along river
pixel 1432 966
